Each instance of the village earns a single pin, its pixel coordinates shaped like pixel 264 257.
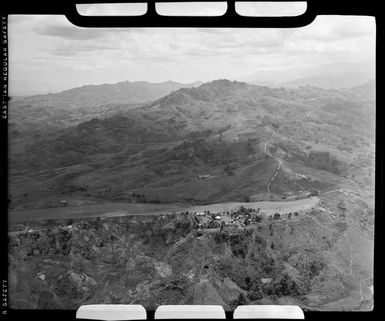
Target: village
pixel 241 218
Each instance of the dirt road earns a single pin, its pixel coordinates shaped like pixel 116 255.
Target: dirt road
pixel 266 207
pixel 96 210
pixel 123 209
pixel 277 159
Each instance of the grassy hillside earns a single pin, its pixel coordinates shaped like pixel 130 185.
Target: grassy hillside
pixel 221 129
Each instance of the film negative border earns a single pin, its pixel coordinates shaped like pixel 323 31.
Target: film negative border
pixel 152 19
pixel 230 19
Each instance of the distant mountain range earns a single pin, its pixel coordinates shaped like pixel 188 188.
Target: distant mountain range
pixel 330 81
pixel 365 91
pixel 80 104
pixel 329 76
pixel 125 92
pixel 171 101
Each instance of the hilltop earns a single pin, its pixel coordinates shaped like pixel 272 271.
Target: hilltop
pixel 81 104
pixel 96 95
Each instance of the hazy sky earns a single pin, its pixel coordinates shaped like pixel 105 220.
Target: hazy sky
pixel 48 53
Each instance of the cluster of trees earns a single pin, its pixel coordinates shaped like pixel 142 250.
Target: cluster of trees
pixel 234 268
pixel 239 245
pixel 72 188
pixel 325 161
pixel 213 152
pixel 78 144
pixel 247 270
pixel 284 286
pixel 184 226
pixel 208 132
pixel 200 133
pixel 310 265
pixel 142 198
pixel 229 169
pixel 270 121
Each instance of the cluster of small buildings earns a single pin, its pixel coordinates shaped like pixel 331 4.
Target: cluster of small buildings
pixel 234 218
pixel 240 218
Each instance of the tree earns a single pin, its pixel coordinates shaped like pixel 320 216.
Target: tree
pixel 341 205
pixel 272 245
pixel 247 281
pixel 256 294
pixel 250 149
pixel 276 216
pixel 241 300
pixel 313 192
pixel 268 289
pixel 246 198
pixel 229 169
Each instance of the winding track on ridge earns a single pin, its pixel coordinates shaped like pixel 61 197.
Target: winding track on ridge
pixel 277 159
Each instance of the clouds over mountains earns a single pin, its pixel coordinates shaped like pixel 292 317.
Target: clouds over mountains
pixel 51 45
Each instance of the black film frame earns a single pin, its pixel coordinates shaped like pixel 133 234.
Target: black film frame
pixel 229 19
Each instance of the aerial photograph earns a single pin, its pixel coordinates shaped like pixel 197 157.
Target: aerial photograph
pixel 206 166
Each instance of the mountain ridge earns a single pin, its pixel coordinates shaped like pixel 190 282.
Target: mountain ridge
pixel 339 74
pixel 96 95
